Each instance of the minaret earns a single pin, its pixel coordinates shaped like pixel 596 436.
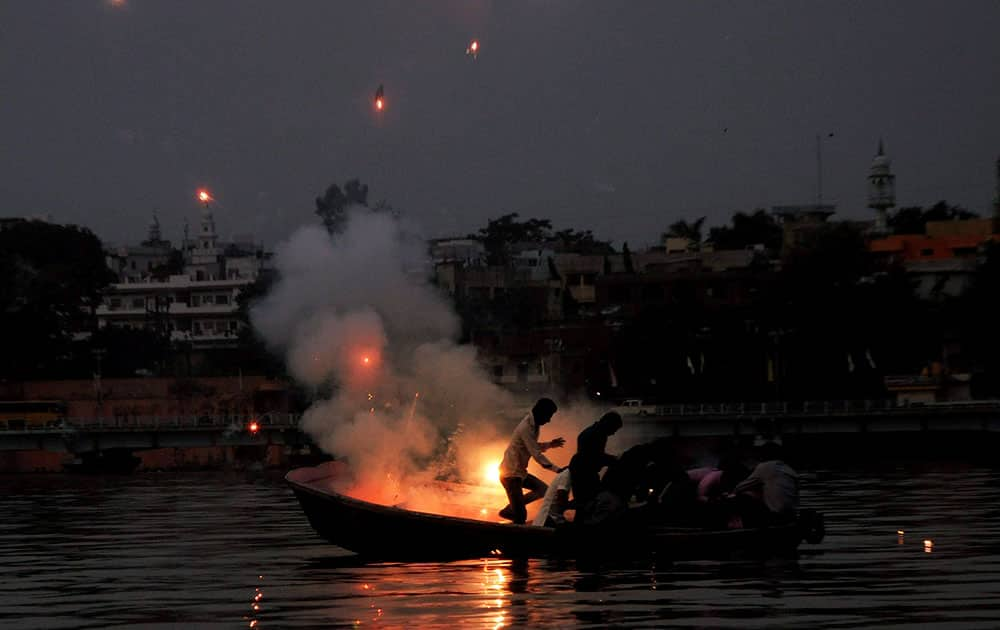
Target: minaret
pixel 207 238
pixel 154 230
pixel 881 189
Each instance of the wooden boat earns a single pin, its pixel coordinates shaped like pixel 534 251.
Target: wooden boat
pixel 393 533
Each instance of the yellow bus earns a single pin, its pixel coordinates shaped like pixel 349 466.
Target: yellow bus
pixel 20 415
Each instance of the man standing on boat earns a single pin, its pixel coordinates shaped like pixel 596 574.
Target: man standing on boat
pixel 585 467
pixel 523 446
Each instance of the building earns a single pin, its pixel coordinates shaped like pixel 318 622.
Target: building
pixel 800 222
pixel 881 189
pixel 189 294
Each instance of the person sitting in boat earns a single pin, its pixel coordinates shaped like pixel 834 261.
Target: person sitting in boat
pixel 556 502
pixel 770 494
pixel 585 467
pixel 524 445
pixel 713 483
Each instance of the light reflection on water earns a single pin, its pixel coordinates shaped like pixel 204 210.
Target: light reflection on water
pixel 213 550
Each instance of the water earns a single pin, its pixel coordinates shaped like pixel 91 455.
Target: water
pixel 199 550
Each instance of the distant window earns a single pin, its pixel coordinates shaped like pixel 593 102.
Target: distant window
pixel 149 265
pixel 199 275
pixel 133 265
pixel 195 300
pixel 196 328
pixel 232 325
pixel 222 299
pixel 116 303
pixel 138 302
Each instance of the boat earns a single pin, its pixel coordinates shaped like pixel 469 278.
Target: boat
pixel 395 533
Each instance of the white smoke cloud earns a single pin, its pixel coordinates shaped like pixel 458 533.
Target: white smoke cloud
pixel 355 315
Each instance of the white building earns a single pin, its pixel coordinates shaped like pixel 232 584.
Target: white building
pixel 197 303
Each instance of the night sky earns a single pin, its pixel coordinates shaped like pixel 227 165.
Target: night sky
pixel 620 117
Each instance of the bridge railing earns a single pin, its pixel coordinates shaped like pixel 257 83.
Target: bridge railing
pixel 160 423
pixel 822 408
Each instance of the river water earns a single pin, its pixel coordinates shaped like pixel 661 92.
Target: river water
pixel 213 550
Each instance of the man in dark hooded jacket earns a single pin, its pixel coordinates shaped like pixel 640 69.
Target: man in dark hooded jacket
pixel 585 467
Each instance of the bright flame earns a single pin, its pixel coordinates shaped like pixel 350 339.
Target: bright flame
pixel 928 545
pixel 379 104
pixel 253 427
pixel 474 46
pixel 366 360
pixel 204 196
pixel 900 532
pixel 491 472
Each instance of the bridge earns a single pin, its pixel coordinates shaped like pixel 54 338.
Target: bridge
pixel 785 419
pixel 879 420
pixel 88 435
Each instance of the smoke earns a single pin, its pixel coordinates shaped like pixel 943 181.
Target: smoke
pixel 358 322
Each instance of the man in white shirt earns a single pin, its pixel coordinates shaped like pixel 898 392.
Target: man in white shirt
pixel 524 446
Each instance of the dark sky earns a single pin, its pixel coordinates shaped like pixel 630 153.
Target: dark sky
pixel 619 117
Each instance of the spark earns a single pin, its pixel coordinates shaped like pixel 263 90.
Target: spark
pixel 253 427
pixel 473 49
pixel 204 196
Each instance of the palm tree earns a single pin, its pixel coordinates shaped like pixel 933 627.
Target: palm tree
pixel 683 229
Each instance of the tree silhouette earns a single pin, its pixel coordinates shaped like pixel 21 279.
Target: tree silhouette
pixel 627 259
pixel 500 234
pixel 683 229
pixel 758 228
pixel 332 207
pixel 913 219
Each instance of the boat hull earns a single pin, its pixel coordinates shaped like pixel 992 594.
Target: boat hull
pixel 388 533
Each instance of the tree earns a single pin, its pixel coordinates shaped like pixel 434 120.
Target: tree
pixel 581 242
pixel 51 278
pixel 332 207
pixel 683 229
pixel 627 259
pixel 913 219
pixel 500 234
pixel 758 228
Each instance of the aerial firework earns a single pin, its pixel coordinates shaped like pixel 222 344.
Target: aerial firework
pixel 379 98
pixel 473 49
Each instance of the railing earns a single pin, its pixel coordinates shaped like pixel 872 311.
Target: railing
pixel 818 408
pixel 157 423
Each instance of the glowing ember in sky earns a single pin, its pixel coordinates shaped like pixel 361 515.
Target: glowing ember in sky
pixel 204 196
pixel 473 48
pixel 379 104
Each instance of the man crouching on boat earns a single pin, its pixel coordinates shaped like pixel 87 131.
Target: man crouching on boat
pixel 523 446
